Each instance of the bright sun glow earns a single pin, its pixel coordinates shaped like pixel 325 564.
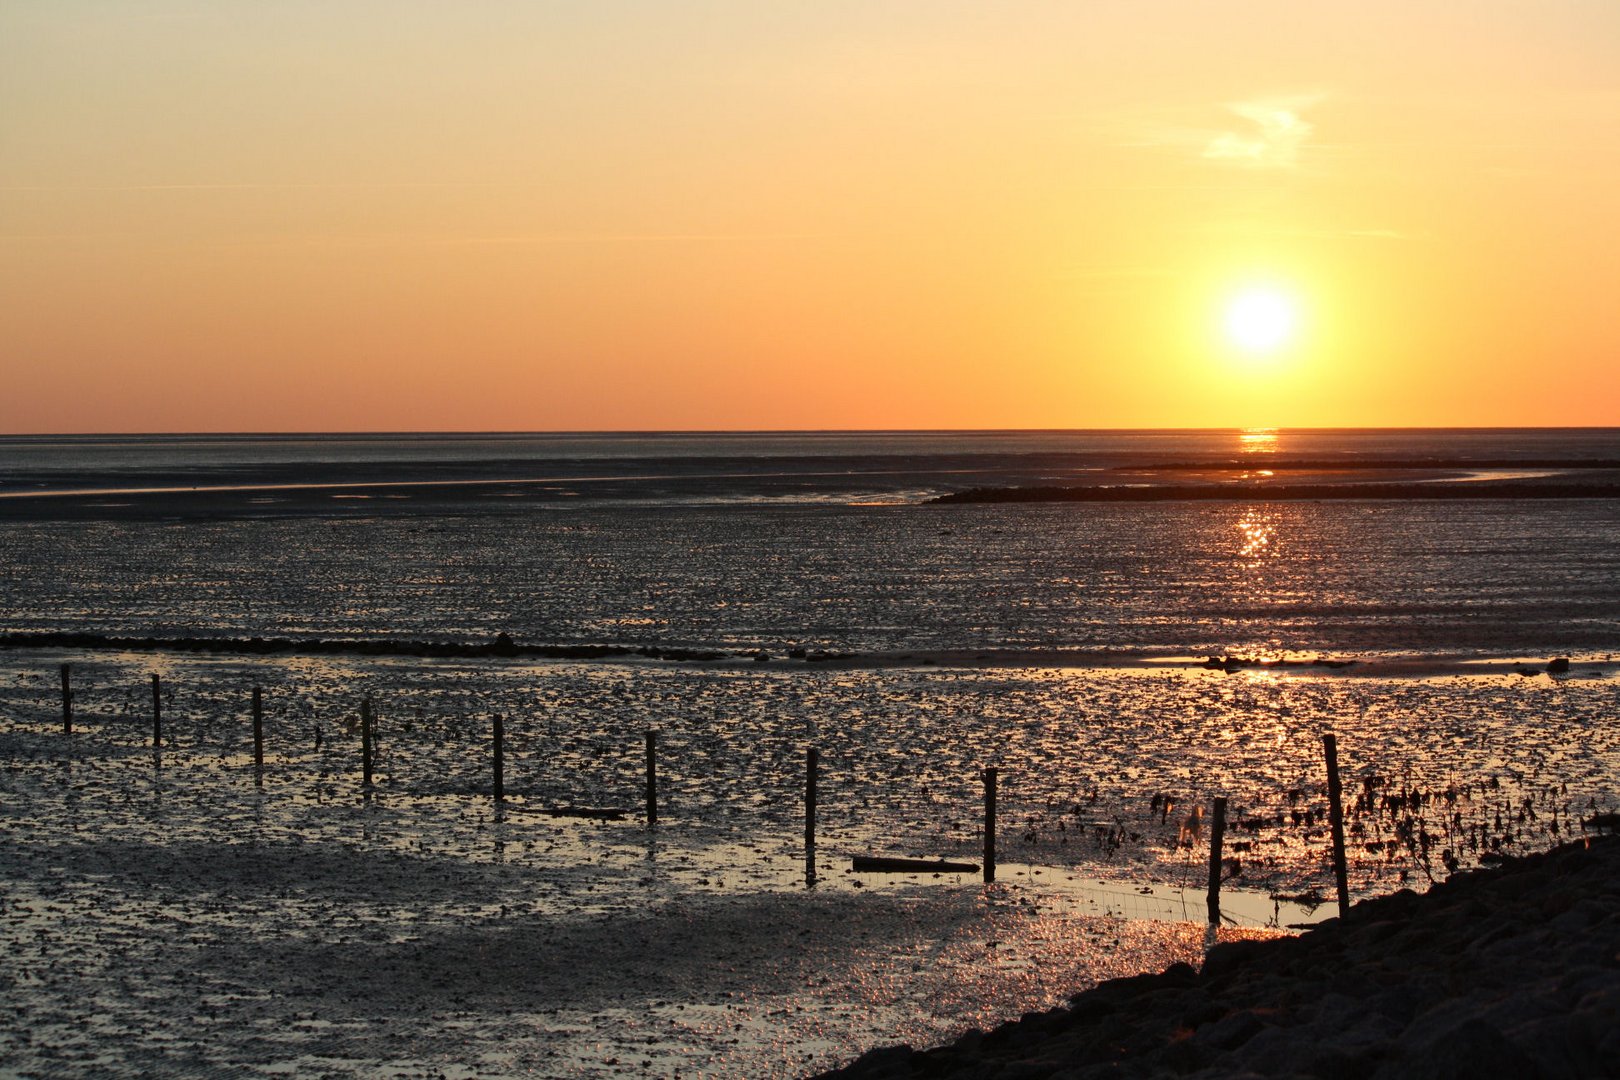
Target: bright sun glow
pixel 1261 320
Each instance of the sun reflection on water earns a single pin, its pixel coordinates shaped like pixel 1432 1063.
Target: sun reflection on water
pixel 1258 440
pixel 1257 532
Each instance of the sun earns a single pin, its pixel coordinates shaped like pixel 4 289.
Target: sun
pixel 1261 319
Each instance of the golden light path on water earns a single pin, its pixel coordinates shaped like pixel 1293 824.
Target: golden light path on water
pixel 1258 441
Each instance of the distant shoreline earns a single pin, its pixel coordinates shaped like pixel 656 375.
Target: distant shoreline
pixel 502 648
pixel 1262 492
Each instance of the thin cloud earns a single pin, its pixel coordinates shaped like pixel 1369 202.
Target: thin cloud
pixel 1276 135
pixel 1248 228
pixel 362 186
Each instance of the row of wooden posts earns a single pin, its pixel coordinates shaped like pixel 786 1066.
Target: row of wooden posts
pixel 368 733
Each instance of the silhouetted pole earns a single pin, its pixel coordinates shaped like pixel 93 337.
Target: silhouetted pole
pixel 812 759
pixel 365 744
pixel 500 759
pixel 67 701
pixel 258 736
pixel 1341 877
pixel 990 824
pixel 652 778
pixel 1217 836
pixel 157 712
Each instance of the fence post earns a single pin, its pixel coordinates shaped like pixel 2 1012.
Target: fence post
pixel 67 701
pixel 157 712
pixel 1341 877
pixel 812 759
pixel 258 737
pixel 1217 836
pixel 365 743
pixel 500 759
pixel 652 779
pixel 990 824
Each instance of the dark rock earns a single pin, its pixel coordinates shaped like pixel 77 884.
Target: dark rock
pixel 1513 972
pixel 1472 1050
pixel 1232 1031
pixel 1232 955
pixel 883 1062
pixel 1559 665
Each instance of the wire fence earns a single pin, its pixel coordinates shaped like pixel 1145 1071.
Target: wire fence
pixel 920 796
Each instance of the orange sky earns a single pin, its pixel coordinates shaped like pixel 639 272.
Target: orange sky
pixel 627 215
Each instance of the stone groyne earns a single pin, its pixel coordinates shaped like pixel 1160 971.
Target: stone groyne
pixel 1509 972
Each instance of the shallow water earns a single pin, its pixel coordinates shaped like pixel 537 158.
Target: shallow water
pixel 298 925
pixel 1489 578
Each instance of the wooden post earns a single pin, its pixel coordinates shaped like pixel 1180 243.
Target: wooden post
pixel 1217 836
pixel 157 712
pixel 258 736
pixel 652 779
pixel 500 759
pixel 365 743
pixel 1341 877
pixel 67 701
pixel 812 759
pixel 990 824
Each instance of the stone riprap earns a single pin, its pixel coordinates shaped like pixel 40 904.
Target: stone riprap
pixel 1509 972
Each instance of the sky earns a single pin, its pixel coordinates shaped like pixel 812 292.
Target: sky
pixel 639 215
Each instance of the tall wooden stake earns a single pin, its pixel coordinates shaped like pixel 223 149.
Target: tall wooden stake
pixel 1217 836
pixel 500 759
pixel 365 744
pixel 1341 877
pixel 258 736
pixel 812 760
pixel 67 700
pixel 990 824
pixel 652 779
pixel 157 712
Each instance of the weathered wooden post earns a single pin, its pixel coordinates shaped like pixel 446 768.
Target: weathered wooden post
pixel 1217 836
pixel 258 736
pixel 990 824
pixel 1341 876
pixel 67 700
pixel 812 759
pixel 500 759
pixel 652 779
pixel 365 743
pixel 157 712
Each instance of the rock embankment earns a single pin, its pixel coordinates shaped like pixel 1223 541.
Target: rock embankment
pixel 1511 972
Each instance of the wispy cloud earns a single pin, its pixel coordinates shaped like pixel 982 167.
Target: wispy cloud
pixel 1275 136
pixel 360 186
pixel 1248 227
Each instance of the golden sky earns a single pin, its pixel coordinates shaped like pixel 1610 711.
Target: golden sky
pixel 524 215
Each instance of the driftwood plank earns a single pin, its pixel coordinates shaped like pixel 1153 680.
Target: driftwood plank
pixel 599 812
pixel 873 864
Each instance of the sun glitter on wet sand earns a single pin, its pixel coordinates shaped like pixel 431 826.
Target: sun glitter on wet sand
pixel 173 916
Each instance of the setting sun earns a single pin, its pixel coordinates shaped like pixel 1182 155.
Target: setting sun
pixel 1261 320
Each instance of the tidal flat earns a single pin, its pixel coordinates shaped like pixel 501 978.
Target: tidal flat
pixel 168 912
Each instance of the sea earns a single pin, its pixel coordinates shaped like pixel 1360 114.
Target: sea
pixel 739 600
pixel 777 541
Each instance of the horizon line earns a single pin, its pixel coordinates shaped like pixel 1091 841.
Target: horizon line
pixel 623 432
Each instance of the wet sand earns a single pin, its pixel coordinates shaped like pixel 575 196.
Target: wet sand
pixel 169 918
pixel 168 914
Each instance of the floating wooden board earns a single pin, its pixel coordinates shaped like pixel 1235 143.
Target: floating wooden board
pixel 601 813
pixel 873 864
